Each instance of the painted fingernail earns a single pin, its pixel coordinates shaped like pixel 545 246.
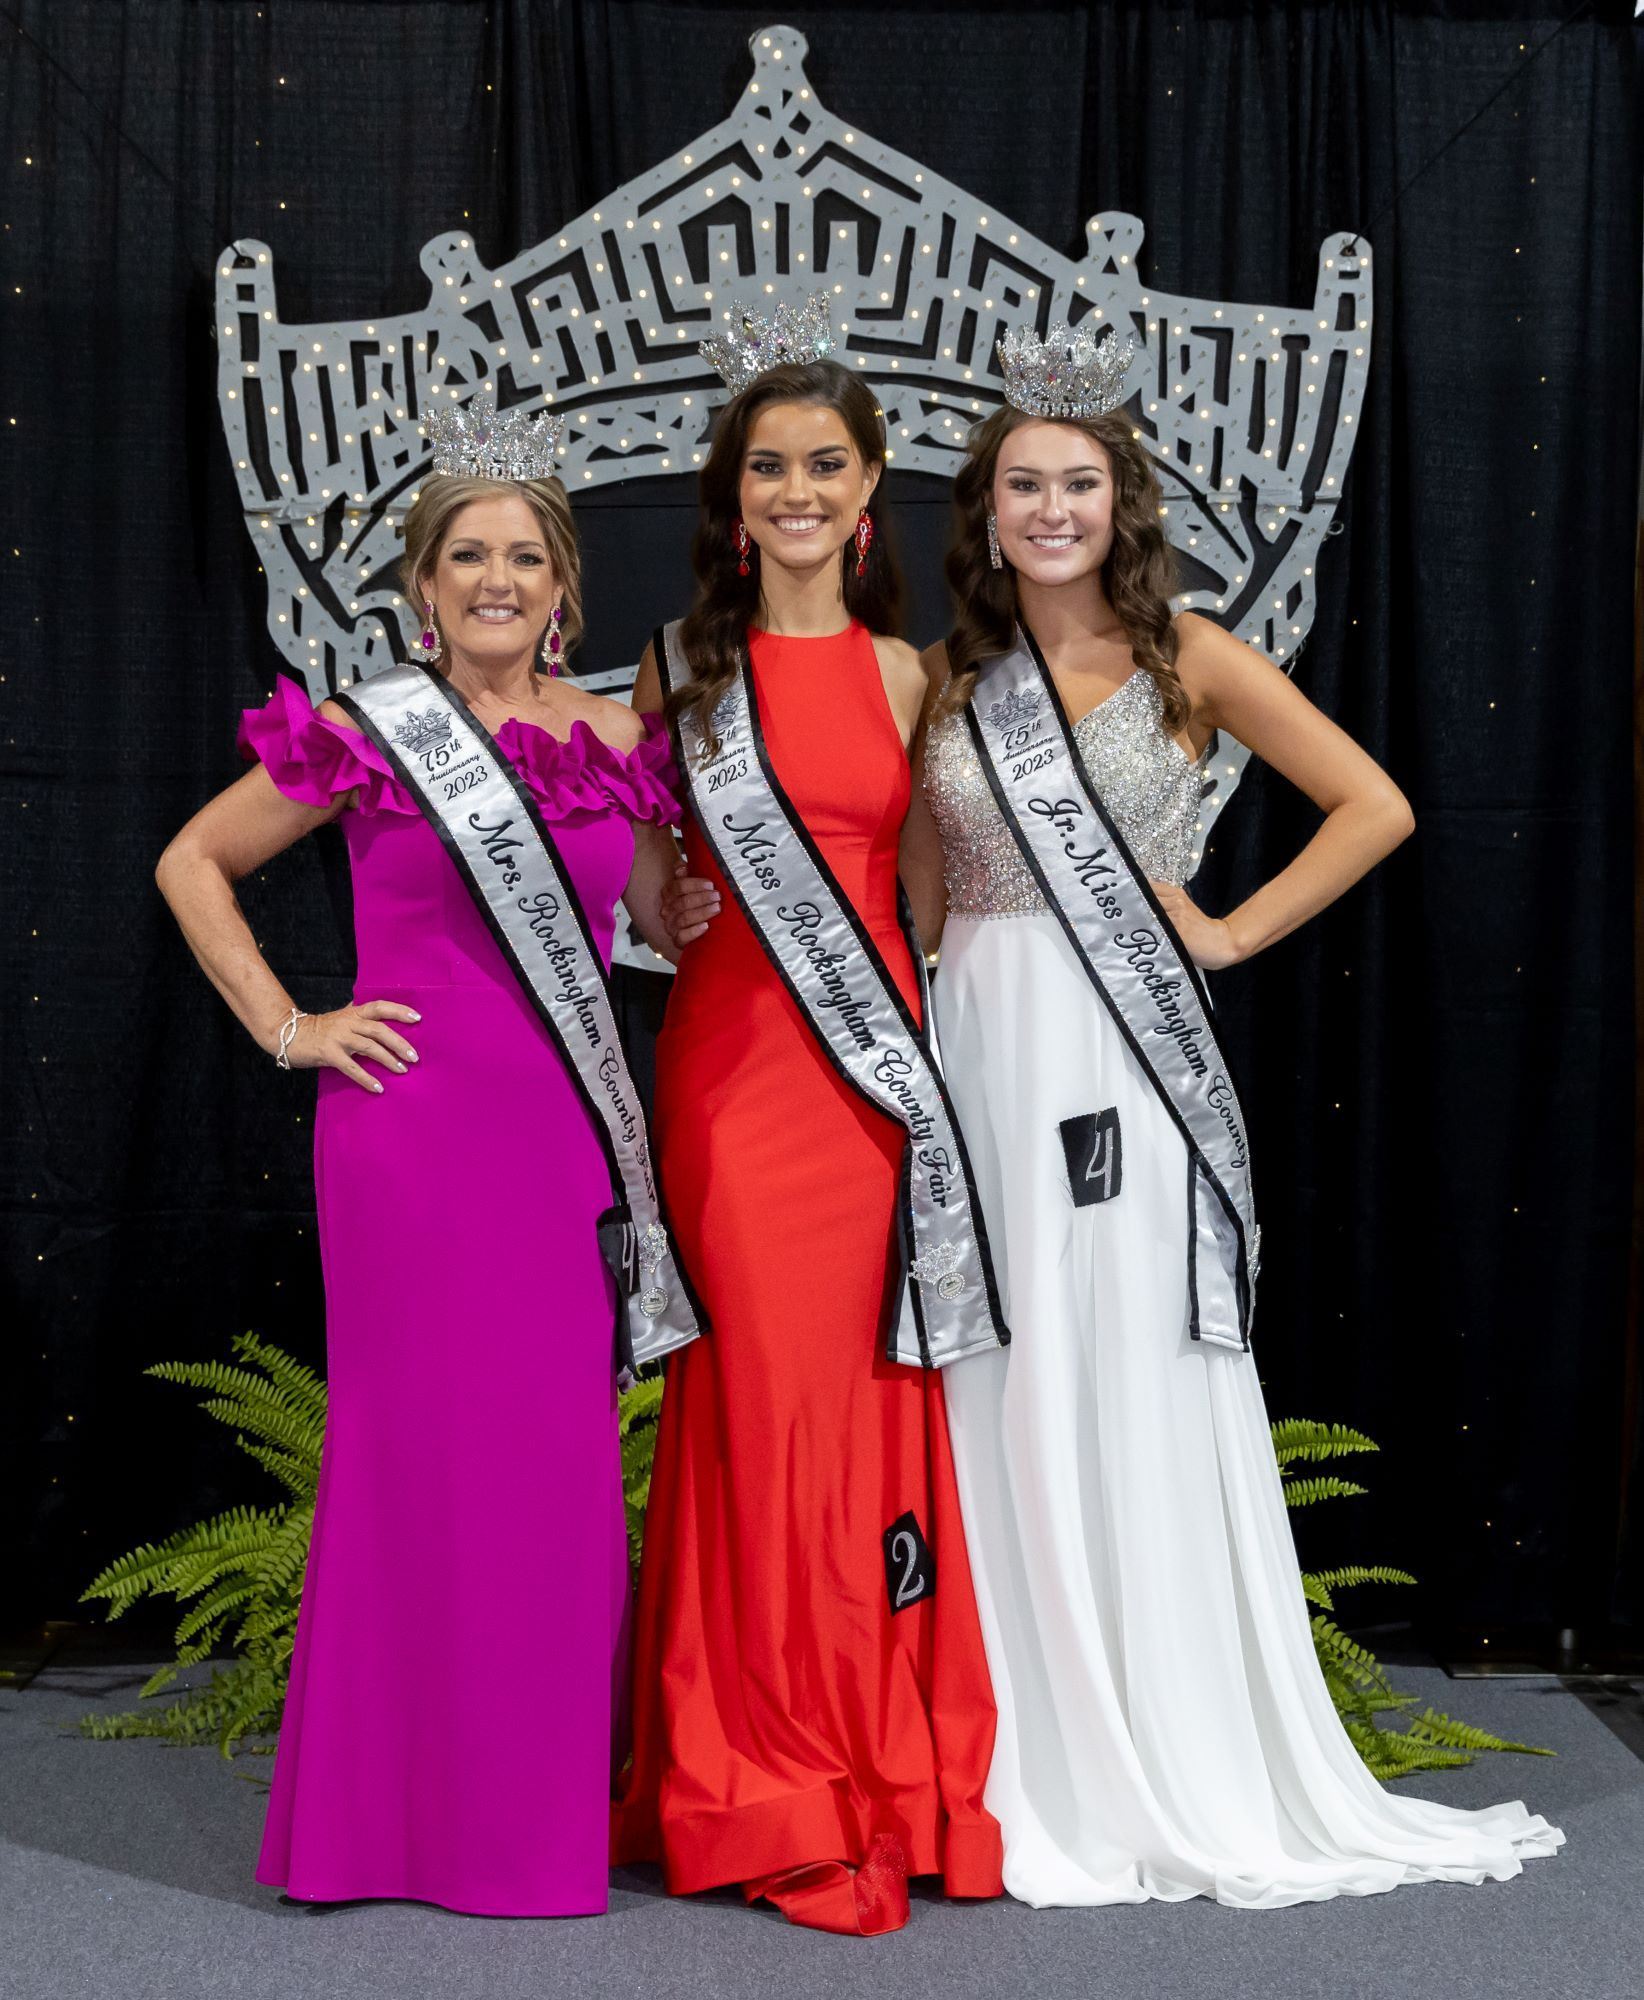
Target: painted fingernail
pixel 415 1015
pixel 377 1087
pixel 412 1056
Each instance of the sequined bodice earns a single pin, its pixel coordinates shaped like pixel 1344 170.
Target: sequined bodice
pixel 1149 785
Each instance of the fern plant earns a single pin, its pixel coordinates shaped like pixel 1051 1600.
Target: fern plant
pixel 1357 1681
pixel 238 1577
pixel 637 1416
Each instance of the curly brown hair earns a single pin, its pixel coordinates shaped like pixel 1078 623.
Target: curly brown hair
pixel 1139 574
pixel 714 630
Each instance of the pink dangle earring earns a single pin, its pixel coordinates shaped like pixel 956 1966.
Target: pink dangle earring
pixel 552 645
pixel 431 647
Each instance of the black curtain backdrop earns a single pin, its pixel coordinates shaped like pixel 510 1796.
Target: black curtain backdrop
pixel 1438 1072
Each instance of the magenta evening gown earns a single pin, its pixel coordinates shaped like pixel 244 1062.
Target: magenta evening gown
pixel 447 1735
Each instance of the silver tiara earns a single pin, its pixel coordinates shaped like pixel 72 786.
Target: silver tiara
pixel 1068 374
pixel 792 333
pixel 472 442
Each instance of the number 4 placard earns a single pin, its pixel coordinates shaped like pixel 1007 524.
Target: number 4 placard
pixel 1095 1163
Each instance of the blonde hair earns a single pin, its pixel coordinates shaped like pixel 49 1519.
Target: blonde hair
pixel 442 497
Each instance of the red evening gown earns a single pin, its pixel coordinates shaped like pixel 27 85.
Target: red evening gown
pixel 788 1726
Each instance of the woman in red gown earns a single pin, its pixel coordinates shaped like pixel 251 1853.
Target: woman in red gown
pixel 793 1732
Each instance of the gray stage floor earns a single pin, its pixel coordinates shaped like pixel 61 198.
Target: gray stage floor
pixel 125 1873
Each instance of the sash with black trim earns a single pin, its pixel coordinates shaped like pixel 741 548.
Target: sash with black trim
pixel 491 828
pixel 1140 969
pixel 946 1300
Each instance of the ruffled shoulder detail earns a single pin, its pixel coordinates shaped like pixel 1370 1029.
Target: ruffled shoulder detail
pixel 313 760
pixel 585 774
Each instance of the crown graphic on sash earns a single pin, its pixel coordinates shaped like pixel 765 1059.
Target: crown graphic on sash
pixel 423 730
pixel 1067 374
pixel 471 441
pixel 791 333
pixel 1014 708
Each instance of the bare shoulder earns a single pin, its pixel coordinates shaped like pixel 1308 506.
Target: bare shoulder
pixel 647 695
pixel 333 711
pixel 900 664
pixel 1207 654
pixel 613 722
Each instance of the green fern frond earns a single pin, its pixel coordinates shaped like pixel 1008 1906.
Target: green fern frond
pixel 1300 1437
pixel 152 1569
pixel 1357 1682
pixel 302 1388
pixel 1357 1573
pixel 268 1419
pixel 299 1476
pixel 1308 1492
pixel 1357 1662
pixel 638 1453
pixel 641 1407
pixel 1433 1727
pixel 212 1612
pixel 285 1555
pixel 218 1378
pixel 246 1564
pixel 642 1401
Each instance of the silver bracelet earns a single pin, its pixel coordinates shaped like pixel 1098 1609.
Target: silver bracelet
pixel 288 1034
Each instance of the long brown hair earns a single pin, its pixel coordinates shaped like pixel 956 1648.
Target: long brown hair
pixel 1139 574
pixel 442 496
pixel 714 630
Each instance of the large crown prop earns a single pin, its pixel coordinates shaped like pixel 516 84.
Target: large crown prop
pixel 1249 411
pixel 792 333
pixel 1068 373
pixel 472 442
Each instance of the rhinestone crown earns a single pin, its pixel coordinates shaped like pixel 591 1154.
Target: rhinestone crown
pixel 1069 374
pixel 472 442
pixel 792 333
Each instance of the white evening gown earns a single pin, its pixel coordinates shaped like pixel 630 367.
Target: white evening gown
pixel 1164 1729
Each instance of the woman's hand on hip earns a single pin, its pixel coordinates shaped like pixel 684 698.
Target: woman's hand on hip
pixel 336 1040
pixel 1209 940
pixel 689 905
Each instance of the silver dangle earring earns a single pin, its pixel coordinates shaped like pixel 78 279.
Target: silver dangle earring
pixel 994 556
pixel 431 647
pixel 552 645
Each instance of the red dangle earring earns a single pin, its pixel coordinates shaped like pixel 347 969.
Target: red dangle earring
pixel 739 535
pixel 864 539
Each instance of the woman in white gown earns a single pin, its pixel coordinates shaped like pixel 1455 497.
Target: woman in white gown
pixel 1164 1729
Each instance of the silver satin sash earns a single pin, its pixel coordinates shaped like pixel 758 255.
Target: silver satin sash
pixel 1141 971
pixel 491 828
pixel 946 1301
